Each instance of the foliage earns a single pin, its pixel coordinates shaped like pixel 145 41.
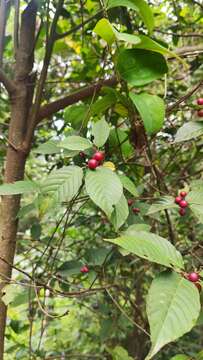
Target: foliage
pixel 120 220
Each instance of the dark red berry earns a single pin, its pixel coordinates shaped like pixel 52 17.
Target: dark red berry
pixel 200 113
pixel 200 101
pixel 193 276
pixel 136 210
pixel 198 286
pixel 99 156
pixel 84 269
pixel 183 204
pixel 183 194
pixel 182 211
pixel 178 199
pixel 92 164
pixel 82 154
pixel 130 202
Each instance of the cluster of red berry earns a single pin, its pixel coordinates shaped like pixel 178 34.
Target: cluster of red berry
pixel 194 278
pixel 134 209
pixel 96 160
pixel 200 102
pixel 180 200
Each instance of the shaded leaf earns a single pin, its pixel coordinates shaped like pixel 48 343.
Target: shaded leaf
pixel 128 185
pixel 140 67
pixel 189 131
pixel 120 213
pixel 138 5
pixel 166 202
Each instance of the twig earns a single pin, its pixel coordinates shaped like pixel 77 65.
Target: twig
pixel 78 27
pixel 126 315
pixel 8 84
pixel 170 108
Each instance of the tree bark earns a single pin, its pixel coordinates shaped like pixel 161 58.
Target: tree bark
pixel 21 100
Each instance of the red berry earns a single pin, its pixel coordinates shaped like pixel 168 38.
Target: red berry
pixel 130 202
pixel 183 204
pixel 183 194
pixel 99 156
pixel 136 210
pixel 198 286
pixel 92 164
pixel 82 154
pixel 182 211
pixel 178 199
pixel 84 269
pixel 200 113
pixel 200 101
pixel 193 276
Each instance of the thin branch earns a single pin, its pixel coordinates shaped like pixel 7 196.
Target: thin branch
pixel 16 26
pixel 8 84
pixel 53 107
pixel 189 50
pixel 3 13
pixel 170 33
pixel 43 76
pixel 126 315
pixel 78 27
pixel 172 107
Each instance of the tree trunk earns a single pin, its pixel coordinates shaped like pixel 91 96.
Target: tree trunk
pixel 21 102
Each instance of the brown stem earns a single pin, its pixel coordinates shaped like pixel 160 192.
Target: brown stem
pixel 15 160
pixel 53 107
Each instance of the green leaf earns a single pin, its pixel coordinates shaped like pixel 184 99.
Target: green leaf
pixel 195 197
pixel 189 131
pixel 151 247
pixel 19 187
pixel 49 147
pixel 128 185
pixel 140 67
pixel 180 357
pixel 103 104
pixel 100 131
pixel 120 213
pixel 195 200
pixel 136 228
pixel 108 33
pixel 149 44
pixel 75 115
pixel 199 356
pixel 104 188
pixel 128 38
pixel 14 294
pixel 69 268
pixel 96 257
pixel 76 143
pixel 104 29
pixel 119 353
pixel 173 312
pixel 164 203
pixel 138 5
pixel 64 182
pixel 151 109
